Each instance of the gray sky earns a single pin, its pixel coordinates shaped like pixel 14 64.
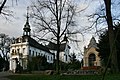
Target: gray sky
pixel 14 27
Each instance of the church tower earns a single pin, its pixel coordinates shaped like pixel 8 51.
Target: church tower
pixel 26 29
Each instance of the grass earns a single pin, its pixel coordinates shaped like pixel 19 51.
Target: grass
pixel 58 77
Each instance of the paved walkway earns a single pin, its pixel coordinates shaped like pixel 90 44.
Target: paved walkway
pixel 3 75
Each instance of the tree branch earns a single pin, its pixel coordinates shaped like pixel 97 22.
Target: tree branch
pixel 3 4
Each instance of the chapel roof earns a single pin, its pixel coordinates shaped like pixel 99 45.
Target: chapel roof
pixel 93 43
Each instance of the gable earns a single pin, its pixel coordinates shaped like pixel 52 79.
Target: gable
pixel 91 50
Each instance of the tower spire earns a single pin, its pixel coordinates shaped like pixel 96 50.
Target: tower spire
pixel 27 14
pixel 26 29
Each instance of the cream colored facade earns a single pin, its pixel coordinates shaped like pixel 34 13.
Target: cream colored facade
pixel 91 55
pixel 23 51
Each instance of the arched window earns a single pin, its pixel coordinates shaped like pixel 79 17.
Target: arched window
pixel 92 58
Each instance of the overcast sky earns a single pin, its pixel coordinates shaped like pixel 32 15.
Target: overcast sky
pixel 14 27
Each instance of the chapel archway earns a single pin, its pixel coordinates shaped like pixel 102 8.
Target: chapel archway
pixel 91 59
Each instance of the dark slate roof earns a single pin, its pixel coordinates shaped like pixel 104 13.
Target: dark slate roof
pixel 53 46
pixel 34 43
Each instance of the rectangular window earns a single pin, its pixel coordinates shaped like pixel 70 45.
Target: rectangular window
pixel 48 57
pixel 66 57
pixel 30 52
pixel 51 58
pixel 23 50
pixel 18 50
pixel 36 53
pixel 33 53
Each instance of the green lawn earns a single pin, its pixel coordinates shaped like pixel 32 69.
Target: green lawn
pixel 56 77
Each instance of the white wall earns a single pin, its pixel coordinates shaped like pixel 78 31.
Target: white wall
pixel 63 55
pixel 25 49
pixel 41 53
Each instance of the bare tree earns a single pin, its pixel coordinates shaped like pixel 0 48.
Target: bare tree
pixel 5 42
pixel 3 8
pixel 113 51
pixel 107 17
pixel 54 19
pixel 2 5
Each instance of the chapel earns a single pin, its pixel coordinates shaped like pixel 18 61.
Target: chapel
pixel 91 58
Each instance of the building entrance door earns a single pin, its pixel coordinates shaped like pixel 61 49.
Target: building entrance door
pixel 92 58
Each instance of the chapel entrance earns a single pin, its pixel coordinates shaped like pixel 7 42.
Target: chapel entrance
pixel 92 58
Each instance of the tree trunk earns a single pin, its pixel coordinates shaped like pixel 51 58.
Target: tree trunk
pixel 58 38
pixel 58 51
pixel 113 52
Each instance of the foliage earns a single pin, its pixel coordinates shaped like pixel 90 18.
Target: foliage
pixel 19 68
pixel 5 42
pixel 1 63
pixel 39 63
pixel 74 63
pixel 105 47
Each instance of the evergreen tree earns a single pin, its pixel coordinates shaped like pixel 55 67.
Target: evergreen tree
pixel 1 63
pixel 74 63
pixel 105 46
pixel 39 63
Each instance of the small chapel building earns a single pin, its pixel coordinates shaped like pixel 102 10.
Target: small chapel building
pixel 25 47
pixel 91 58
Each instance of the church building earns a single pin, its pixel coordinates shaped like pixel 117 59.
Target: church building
pixel 24 47
pixel 91 57
pixel 64 54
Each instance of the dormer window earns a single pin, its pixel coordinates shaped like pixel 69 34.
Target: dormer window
pixel 19 40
